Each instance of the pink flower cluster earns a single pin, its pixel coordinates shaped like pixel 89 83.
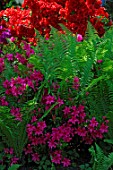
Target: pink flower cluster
pixel 16 113
pixel 55 120
pixel 76 83
pixel 74 124
pixel 13 158
pixel 57 158
pixel 17 86
pixel 3 101
pixel 1 64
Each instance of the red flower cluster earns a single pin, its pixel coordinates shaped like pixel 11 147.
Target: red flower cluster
pixel 97 15
pixel 18 22
pixel 43 14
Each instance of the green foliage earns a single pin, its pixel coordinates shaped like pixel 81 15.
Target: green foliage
pixel 109 7
pixel 14 137
pixel 99 160
pixel 14 167
pixel 61 58
pixel 13 134
pixel 85 167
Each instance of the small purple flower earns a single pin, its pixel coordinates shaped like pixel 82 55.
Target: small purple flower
pixel 4 35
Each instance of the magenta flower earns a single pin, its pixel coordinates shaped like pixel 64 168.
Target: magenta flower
pixel 16 113
pixel 11 151
pixel 66 110
pixel 103 128
pixel 76 83
pixel 6 83
pixel 3 101
pixel 52 144
pixel 36 75
pixel 57 157
pixel 29 52
pixel 99 61
pixel 28 149
pixel 9 57
pixel 14 160
pixel 60 101
pixel 26 46
pixel 40 127
pixel 21 59
pixel 30 129
pixel 12 39
pixel 66 162
pixel 34 141
pixel 79 38
pixel 76 80
pixel 6 150
pixel 2 64
pixel 35 157
pixel 81 131
pixel 34 119
pixel 73 120
pixel 93 122
pixel 50 99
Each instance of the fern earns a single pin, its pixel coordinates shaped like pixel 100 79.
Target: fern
pixel 13 134
pixel 100 160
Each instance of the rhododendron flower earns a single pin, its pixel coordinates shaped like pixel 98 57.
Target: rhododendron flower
pixel 16 113
pixel 3 101
pixel 9 151
pixel 60 101
pixel 14 160
pixel 79 38
pixel 81 131
pixel 52 144
pixel 103 128
pixel 99 61
pixel 57 157
pixel 40 127
pixel 50 99
pixel 28 149
pixel 29 52
pixel 76 83
pixel 93 122
pixel 35 157
pixel 73 120
pixel 21 59
pixel 9 57
pixel 66 162
pixel 2 64
pixel 36 75
pixel 34 119
pixel 66 110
